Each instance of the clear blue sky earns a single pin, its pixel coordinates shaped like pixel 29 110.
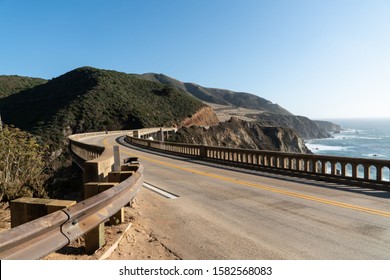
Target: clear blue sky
pixel 321 59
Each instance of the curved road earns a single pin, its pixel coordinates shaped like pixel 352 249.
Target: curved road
pixel 219 212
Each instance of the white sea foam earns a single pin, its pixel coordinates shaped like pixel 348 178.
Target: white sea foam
pixel 355 134
pixel 363 138
pixel 373 155
pixel 319 147
pixel 347 137
pixel 352 131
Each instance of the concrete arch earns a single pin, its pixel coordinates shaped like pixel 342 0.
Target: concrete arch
pixel 318 166
pixel 301 165
pixel 293 164
pixel 328 167
pixel 372 172
pixel 360 172
pixel 286 163
pixel 272 161
pixel 338 170
pixel 385 174
pixel 348 170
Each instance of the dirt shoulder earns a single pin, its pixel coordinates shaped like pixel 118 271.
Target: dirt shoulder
pixel 132 240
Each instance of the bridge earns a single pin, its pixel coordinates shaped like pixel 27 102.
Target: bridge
pixel 220 203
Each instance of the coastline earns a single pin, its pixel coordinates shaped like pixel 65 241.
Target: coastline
pixel 359 138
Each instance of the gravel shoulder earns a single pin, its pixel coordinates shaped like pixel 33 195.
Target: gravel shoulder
pixel 132 240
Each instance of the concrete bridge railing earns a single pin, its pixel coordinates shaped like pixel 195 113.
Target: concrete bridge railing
pixel 46 234
pixel 372 173
pixel 94 160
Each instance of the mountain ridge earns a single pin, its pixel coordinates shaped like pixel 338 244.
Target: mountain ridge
pixel 268 113
pixel 220 96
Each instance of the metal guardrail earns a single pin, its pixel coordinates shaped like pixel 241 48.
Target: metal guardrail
pixel 45 235
pixel 35 239
pixel 40 237
pixel 371 173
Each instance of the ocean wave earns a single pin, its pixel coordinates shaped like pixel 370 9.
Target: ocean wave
pixel 343 136
pixel 373 155
pixel 352 131
pixel 346 137
pixel 319 147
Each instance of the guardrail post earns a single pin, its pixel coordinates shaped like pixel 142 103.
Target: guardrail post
pixel 26 209
pixel 94 239
pixel 57 204
pixel 119 217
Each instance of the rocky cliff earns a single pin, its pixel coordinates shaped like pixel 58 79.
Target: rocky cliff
pixel 305 127
pixel 329 126
pixel 204 117
pixel 237 133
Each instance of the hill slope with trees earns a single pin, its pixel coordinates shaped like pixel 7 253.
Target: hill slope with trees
pixel 13 84
pixel 90 99
pixel 220 96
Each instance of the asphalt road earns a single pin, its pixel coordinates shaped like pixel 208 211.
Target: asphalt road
pixel 230 213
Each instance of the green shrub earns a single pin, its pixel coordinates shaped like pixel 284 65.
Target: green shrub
pixel 22 165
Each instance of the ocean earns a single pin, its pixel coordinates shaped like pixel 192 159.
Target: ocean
pixel 360 138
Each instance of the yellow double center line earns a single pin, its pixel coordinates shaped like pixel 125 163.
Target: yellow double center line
pixel 262 187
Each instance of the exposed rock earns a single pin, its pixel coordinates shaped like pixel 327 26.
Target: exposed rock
pixel 237 133
pixel 305 127
pixel 204 117
pixel 246 106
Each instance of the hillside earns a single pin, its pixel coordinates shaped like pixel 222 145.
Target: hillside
pixel 248 107
pixel 220 96
pixel 89 99
pixel 305 127
pixel 13 84
pixel 329 126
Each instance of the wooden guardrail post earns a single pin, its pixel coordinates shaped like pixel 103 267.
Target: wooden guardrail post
pixel 26 209
pixel 95 238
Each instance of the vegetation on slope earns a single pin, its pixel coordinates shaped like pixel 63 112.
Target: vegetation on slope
pixel 85 99
pixel 269 114
pixel 89 99
pixel 13 84
pixel 220 96
pixel 23 167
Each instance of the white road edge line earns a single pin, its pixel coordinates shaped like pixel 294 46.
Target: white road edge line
pixel 159 191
